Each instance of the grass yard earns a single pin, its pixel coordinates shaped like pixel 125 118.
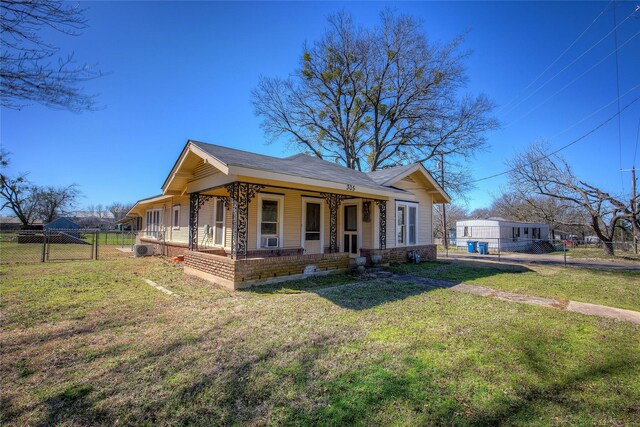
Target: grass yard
pixel 598 253
pixel 90 343
pixel 614 288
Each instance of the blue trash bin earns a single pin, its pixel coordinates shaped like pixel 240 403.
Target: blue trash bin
pixel 483 248
pixel 472 246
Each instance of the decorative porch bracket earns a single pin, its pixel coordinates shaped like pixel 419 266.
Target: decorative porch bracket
pixel 334 201
pixel 240 194
pixel 382 206
pixel 196 200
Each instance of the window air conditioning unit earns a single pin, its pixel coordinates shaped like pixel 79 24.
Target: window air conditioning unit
pixel 143 250
pixel 269 242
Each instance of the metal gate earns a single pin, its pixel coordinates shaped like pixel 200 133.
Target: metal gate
pixel 67 245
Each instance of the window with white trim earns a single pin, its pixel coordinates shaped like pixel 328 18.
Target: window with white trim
pixel 175 217
pixel 153 222
pixel 401 229
pixel 406 223
pixel 218 222
pixel 270 219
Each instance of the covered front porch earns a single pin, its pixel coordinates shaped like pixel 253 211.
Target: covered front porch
pixel 262 220
pixel 273 232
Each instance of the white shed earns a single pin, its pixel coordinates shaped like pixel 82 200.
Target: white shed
pixel 501 233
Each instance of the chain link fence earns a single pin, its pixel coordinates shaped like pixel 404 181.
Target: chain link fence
pixel 31 246
pixel 516 247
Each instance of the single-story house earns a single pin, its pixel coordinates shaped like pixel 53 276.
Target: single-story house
pixel 240 218
pixel 13 223
pixel 507 235
pixel 62 223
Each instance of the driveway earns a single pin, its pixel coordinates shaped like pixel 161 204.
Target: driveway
pixel 547 259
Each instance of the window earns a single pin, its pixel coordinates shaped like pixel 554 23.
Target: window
pixel 411 231
pixel 515 233
pixel 401 229
pixel 153 222
pixel 406 223
pixel 535 232
pixel 269 224
pixel 270 218
pixel 176 217
pixel 351 218
pixel 312 221
pixel 526 231
pixel 466 232
pixel 218 222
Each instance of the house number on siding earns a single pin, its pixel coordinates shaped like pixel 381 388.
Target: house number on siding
pixel 351 187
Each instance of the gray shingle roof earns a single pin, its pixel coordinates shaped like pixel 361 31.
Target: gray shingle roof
pixel 298 165
pixel 383 175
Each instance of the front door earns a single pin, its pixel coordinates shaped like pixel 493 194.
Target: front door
pixel 312 227
pixel 350 230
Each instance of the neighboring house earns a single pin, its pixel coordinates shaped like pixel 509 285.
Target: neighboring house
pixel 65 234
pixel 240 218
pixel 13 223
pixel 62 223
pixel 501 233
pixel 89 219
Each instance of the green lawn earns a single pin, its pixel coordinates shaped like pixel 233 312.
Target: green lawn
pixel 90 343
pixel 613 288
pixel 598 253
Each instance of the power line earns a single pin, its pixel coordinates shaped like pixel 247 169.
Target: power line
pixel 573 81
pixel 561 55
pixel 615 38
pixel 575 141
pixel 596 111
pixel 569 65
pixel 635 152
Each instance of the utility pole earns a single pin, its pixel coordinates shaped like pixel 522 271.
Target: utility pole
pixel 445 237
pixel 634 211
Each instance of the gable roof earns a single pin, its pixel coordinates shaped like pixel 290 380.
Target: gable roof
pixel 382 176
pixel 233 161
pixel 389 176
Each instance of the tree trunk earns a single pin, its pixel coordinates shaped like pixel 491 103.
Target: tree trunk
pixel 607 247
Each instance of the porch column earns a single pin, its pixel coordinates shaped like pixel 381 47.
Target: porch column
pixel 193 220
pixel 333 200
pixel 382 228
pixel 240 194
pixel 196 200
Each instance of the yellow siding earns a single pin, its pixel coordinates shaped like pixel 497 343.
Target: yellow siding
pixel 292 217
pixel 425 203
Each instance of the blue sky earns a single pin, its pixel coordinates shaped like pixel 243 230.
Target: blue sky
pixel 181 71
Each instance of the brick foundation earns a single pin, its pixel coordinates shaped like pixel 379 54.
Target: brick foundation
pixel 427 253
pixel 241 273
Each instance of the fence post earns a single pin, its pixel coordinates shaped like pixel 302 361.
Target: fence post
pixel 97 239
pixel 499 247
pixel 564 244
pixel 44 245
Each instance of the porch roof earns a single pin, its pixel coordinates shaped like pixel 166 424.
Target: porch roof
pixel 301 165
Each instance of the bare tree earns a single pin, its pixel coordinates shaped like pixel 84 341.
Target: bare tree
pixel 56 201
pixel 30 68
pixel 119 210
pixel 379 97
pixel 535 171
pixel 18 194
pixel 454 212
pixel 527 207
